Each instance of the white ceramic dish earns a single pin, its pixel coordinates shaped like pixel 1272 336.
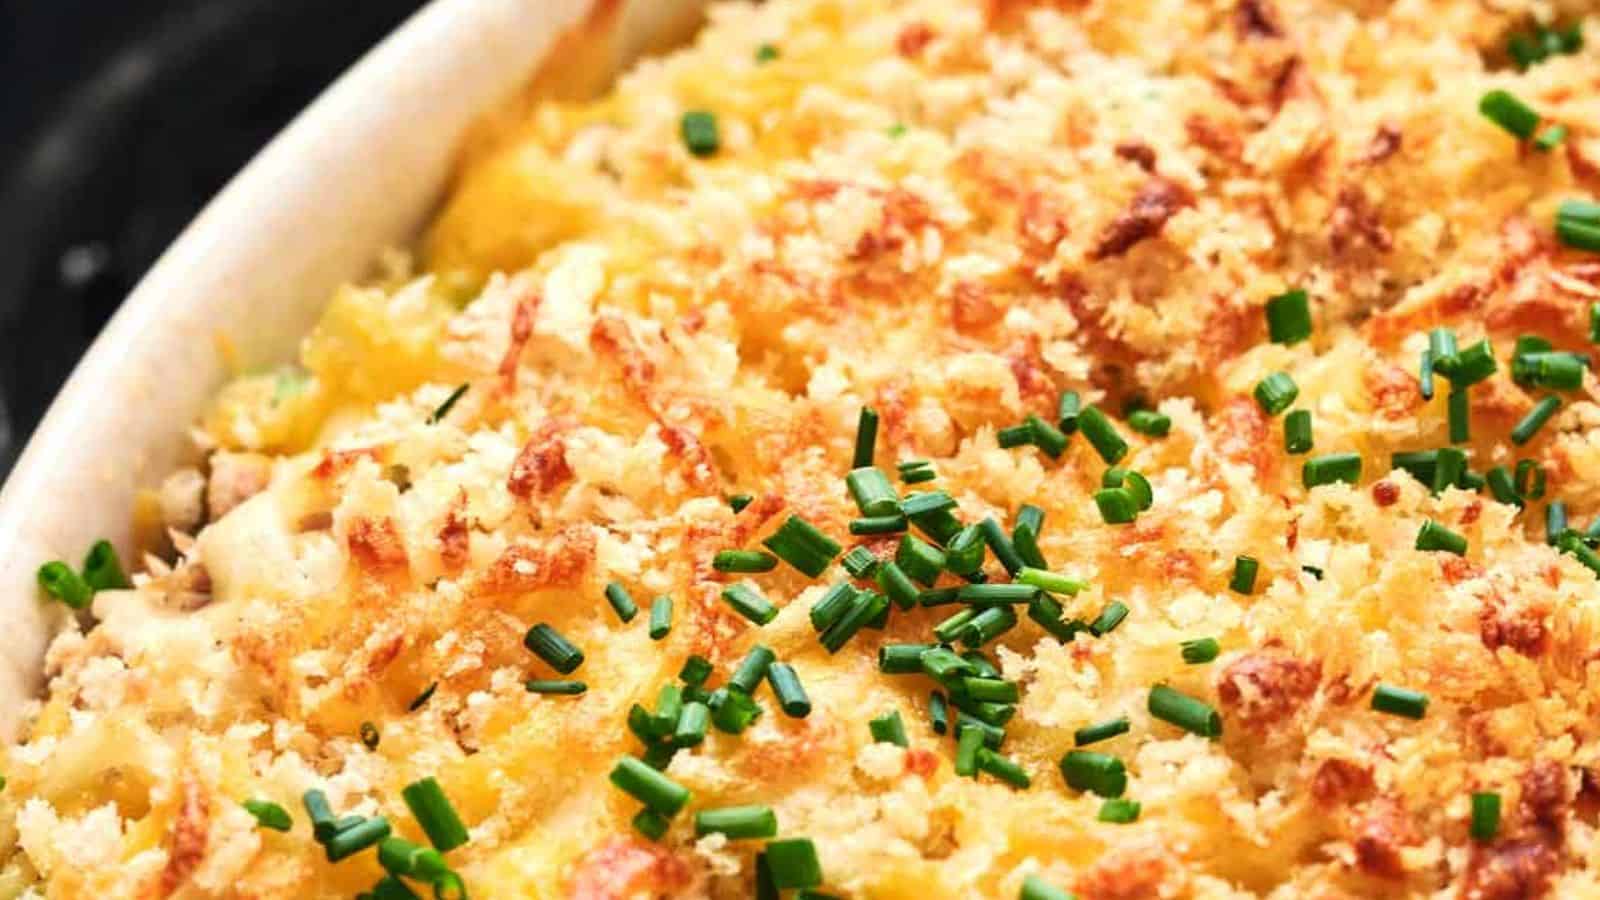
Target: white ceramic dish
pixel 360 169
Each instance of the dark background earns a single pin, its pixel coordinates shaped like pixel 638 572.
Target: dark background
pixel 118 120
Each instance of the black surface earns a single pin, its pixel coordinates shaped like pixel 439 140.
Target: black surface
pixel 118 120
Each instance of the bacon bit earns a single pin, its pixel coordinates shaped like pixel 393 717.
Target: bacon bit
pixel 1179 565
pixel 1257 19
pixel 1510 870
pixel 893 413
pixel 921 762
pixel 378 658
pixel 1241 434
pixel 1340 781
pixel 1456 569
pixel 521 331
pixel 521 568
pixel 702 469
pixel 1041 225
pixel 1389 327
pixel 455 539
pixel 1355 220
pixel 1522 630
pixel 1385 493
pixel 375 546
pixel 1395 393
pixel 971 309
pixel 1546 795
pixel 187 844
pixel 1294 83
pixel 1340 692
pixel 913 39
pixel 1471 513
pixel 1156 201
pixel 1293 537
pixel 904 215
pixel 752 518
pixel 1027 367
pixel 1230 328
pixel 336 462
pixel 1379 837
pixel 1139 153
pixel 1552 575
pixel 623 868
pixel 1214 137
pixel 1264 687
pixel 1384 144
pixel 542 464
pixel 1125 872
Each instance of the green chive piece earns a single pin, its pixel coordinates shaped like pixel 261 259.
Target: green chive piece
pixel 1180 709
pixel 917 505
pixel 1502 487
pixel 1002 768
pixel 766 53
pixel 737 822
pixel 1001 546
pixel 1036 888
pixel 992 736
pixel 1530 479
pixel 660 617
pixel 1135 484
pixel 434 814
pixel 866 438
pixel 1025 540
pixel 1434 536
pixel 1014 436
pixel 350 841
pixel 866 606
pixel 102 570
pixel 1050 581
pixel 1419 464
pixel 791 693
pixel 737 561
pixel 449 403
pixel 699 130
pixel 1276 393
pixel 696 669
pixel 1200 650
pixel 1100 731
pixel 988 625
pixel 1505 110
pixel 800 544
pixel 1559 371
pixel 1098 773
pixel 690 729
pixel 269 815
pixel 1460 410
pixel 549 645
pixel 1485 816
pixel 58 580
pixel 1071 404
pixel 391 888
pixel 1289 317
pixel 621 601
pixel 1313 571
pixel 982 665
pixel 738 502
pixel 1150 423
pixel 1297 432
pixel 732 710
pixel 988 690
pixel 938 712
pixel 939 596
pixel 964 554
pixel 832 606
pixel 969 740
pixel 919 559
pixel 1330 468
pixel 1119 811
pixel 1472 481
pixel 748 602
pixel 651 824
pixel 1047 437
pixel 323 823
pixel 1244 574
pixel 878 525
pixel 1578 235
pixel 1102 435
pixel 860 562
pixel 918 474
pixel 1109 618
pixel 1550 138
pixel 989 594
pixel 901 659
pixel 1555 521
pixel 888 728
pixel 872 492
pixel 1594 323
pixel 1535 420
pixel 944 665
pixel 1399 701
pixel 421 699
pixel 644 784
pixel 399 856
pixel 1030 518
pixel 752 669
pixel 1470 365
pixel 1442 348
pixel 1450 467
pixel 1425 376
pixel 897 585
pixel 1117 506
pixel 793 863
pixel 554 686
pixel 952 628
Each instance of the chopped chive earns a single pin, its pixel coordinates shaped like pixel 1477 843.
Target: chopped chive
pixel 1184 711
pixel 1442 348
pixel 732 710
pixel 1472 481
pixel 1470 365
pixel 1036 888
pixel 1578 235
pixel 906 465
pixel 1200 650
pixel 1459 416
pixel 421 699
pixel 860 562
pixel 791 693
pixel 669 707
pixel 943 664
pixel 102 570
pixel 1433 536
pixel 644 784
pixel 1419 464
pixel 889 729
pixel 1030 517
pixel 1135 484
pixel 1026 542
pixel 449 403
pixel 550 646
pixel 872 492
pixel 1150 423
pixel 952 628
pixel 1550 138
pixel 554 686
pixel 938 712
pixel 1528 344
pixel 793 863
pixel 1332 467
pixel 1594 323
pixel 1070 404
pixel 690 729
pixel 866 438
pixel 735 561
pixel 58 580
pixel 918 475
pixel 696 669
pixel 748 602
pixel 901 659
pixel 993 736
pixel 939 596
pixel 1535 420
pixel 1117 506
pixel 651 824
pixel 1573 543
pixel 1002 768
pixel 269 815
pixel 699 130
pixel 1505 110
pixel 1100 731
pixel 940 525
pixel 982 665
pixel 877 525
pixel 1297 432
pixel 1485 815
pixel 350 841
pixel 1425 376
pixel 1314 571
pixel 323 823
pixel 766 53
pixel 1502 487
pixel 866 606
pixel 1244 574
pixel 621 601
pixel 643 725
pixel 1001 546
pixel 1014 436
pixel 918 505
pixel 1102 435
pixel 964 554
pixel 1449 467
pixel 969 740
pixel 1530 479
pixel 1557 371
pixel 1050 581
pixel 1399 701
pixel 1098 773
pixel 920 560
pixel 1119 811
pixel 752 669
pixel 800 544
pixel 1289 317
pixel 988 625
pixel 738 502
pixel 897 585
pixel 399 856
pixel 1109 618
pixel 1046 436
pixel 1555 521
pixel 737 822
pixel 989 690
pixel 1276 393
pixel 988 594
pixel 660 617
pixel 1044 610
